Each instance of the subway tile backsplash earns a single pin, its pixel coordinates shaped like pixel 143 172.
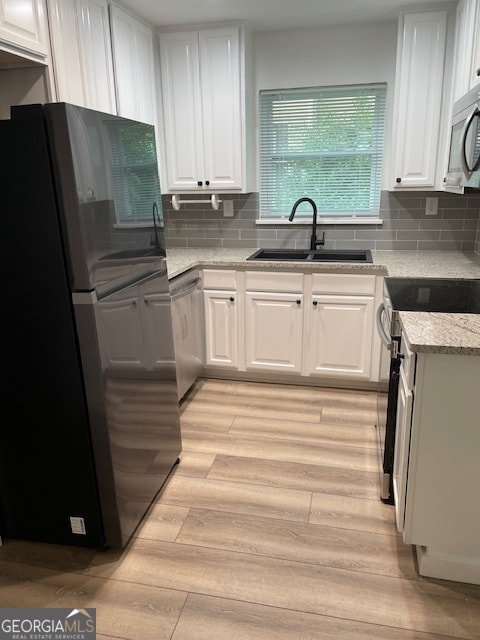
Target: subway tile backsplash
pixel 405 225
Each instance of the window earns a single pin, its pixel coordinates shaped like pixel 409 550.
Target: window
pixel 134 171
pixel 325 144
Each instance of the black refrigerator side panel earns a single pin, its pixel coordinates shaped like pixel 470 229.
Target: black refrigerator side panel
pixel 47 474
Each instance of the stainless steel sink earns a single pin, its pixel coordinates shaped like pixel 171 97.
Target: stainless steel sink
pixel 318 255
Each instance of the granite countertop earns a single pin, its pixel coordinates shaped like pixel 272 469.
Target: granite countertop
pixel 433 264
pixel 426 332
pixel 451 333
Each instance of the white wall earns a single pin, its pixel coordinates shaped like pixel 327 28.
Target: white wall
pixel 347 54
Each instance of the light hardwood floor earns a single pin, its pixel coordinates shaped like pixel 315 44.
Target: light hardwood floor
pixel 269 529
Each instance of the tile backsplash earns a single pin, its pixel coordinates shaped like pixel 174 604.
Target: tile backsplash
pixel 405 225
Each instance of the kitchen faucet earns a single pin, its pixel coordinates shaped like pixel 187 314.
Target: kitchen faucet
pixel 314 243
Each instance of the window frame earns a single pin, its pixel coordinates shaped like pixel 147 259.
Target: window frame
pixel 353 95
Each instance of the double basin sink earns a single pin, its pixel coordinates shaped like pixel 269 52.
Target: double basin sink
pixel 311 255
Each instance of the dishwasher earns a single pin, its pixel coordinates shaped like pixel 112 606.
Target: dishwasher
pixel 187 318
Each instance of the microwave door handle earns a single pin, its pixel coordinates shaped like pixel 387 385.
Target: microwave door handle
pixel 463 143
pixel 386 339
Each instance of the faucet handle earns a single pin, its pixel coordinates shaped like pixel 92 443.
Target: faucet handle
pixel 322 240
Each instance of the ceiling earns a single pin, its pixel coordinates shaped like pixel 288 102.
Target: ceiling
pixel 267 15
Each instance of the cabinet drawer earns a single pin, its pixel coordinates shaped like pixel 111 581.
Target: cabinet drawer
pixel 267 281
pixel 343 283
pixel 219 279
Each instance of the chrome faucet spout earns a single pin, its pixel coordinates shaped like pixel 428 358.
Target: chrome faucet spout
pixel 313 239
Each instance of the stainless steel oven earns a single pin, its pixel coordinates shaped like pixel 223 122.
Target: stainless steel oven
pixel 441 295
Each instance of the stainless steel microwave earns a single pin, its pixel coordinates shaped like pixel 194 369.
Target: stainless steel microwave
pixel 464 157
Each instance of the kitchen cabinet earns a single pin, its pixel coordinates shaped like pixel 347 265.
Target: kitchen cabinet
pixel 418 144
pixel 305 325
pixel 133 60
pixel 187 309
pixel 339 323
pixel 441 517
pixel 221 309
pixel 82 54
pixel 467 47
pixel 475 64
pixel 205 109
pixel 274 321
pixel 23 28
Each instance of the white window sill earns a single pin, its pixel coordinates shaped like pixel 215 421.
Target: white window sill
pixel 320 221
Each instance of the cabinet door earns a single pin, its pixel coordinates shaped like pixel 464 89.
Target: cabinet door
pixel 23 24
pixel 402 447
pixel 464 35
pixel 181 109
pixel 418 99
pixel 274 331
pixel 95 44
pixel 340 336
pixel 221 95
pixel 67 56
pixel 80 34
pixel 202 88
pixel 475 58
pixel 134 70
pixel 221 328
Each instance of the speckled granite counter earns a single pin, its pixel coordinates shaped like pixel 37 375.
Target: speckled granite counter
pixel 433 264
pixel 452 333
pixel 426 332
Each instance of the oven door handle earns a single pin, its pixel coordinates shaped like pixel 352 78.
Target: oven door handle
pixel 386 339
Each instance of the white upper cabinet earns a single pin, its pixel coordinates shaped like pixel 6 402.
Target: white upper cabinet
pixel 133 61
pixel 204 108
pixel 419 93
pixel 467 47
pixel 475 65
pixel 23 27
pixel 81 44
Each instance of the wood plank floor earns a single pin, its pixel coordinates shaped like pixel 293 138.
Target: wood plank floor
pixel 269 529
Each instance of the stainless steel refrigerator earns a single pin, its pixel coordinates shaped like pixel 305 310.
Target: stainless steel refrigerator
pixel 90 428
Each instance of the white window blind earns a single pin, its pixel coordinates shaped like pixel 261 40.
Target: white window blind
pixel 325 144
pixel 134 169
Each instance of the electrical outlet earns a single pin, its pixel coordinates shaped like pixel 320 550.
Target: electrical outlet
pixel 431 207
pixel 228 208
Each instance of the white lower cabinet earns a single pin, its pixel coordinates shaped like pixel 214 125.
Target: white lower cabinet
pixel 318 325
pixel 441 467
pixel 273 321
pixel 221 318
pixel 340 336
pixel 339 326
